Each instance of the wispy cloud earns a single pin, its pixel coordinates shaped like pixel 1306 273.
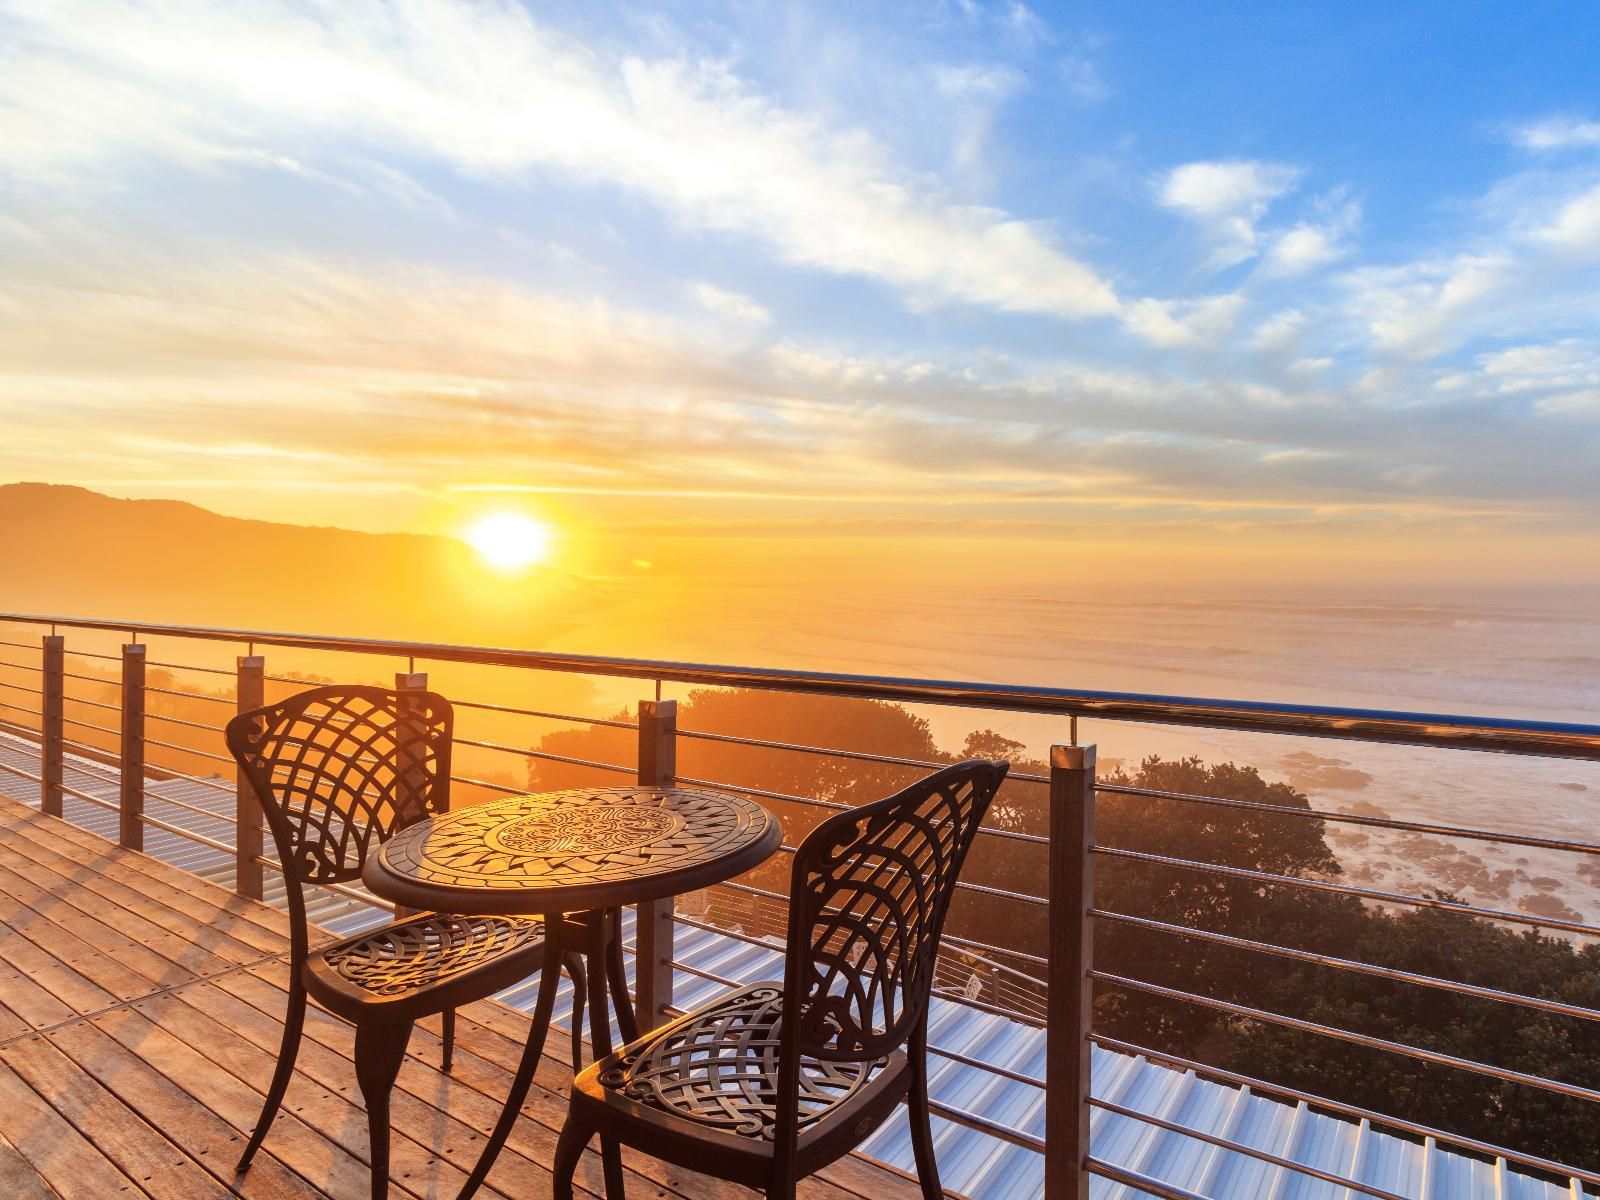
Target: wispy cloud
pixel 1557 133
pixel 734 306
pixel 488 90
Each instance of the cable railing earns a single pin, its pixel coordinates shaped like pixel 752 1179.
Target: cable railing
pixel 1060 1002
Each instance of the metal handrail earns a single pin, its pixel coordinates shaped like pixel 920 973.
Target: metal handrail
pixel 91 703
pixel 548 757
pixel 548 716
pixel 1434 1057
pixel 90 725
pixel 1320 814
pixel 1143 1184
pixel 1346 889
pixel 189 667
pixel 155 716
pixel 484 783
pixel 188 695
pixel 1353 965
pixel 221 758
pixel 1501 735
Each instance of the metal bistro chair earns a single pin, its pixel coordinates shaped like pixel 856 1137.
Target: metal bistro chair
pixel 339 770
pixel 771 1082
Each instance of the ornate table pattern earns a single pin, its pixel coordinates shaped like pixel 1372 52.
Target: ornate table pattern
pixel 586 848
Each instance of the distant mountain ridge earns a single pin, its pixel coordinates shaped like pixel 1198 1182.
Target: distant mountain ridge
pixel 70 551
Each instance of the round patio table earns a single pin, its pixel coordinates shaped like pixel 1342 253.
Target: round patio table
pixel 576 858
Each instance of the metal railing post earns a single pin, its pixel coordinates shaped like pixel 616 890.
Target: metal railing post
pixel 653 922
pixel 52 736
pixel 1071 991
pixel 250 691
pixel 131 768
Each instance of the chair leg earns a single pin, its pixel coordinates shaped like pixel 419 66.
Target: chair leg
pixel 294 1019
pixel 449 1035
pixel 921 1131
pixel 569 1151
pixel 380 1049
pixel 580 984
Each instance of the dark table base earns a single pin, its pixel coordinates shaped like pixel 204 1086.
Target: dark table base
pixel 597 935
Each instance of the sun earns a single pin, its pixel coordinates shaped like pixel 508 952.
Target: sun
pixel 510 541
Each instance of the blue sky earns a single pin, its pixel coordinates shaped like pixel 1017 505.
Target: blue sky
pixel 1131 274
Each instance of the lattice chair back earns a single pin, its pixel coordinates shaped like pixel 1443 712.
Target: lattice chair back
pixel 339 769
pixel 868 899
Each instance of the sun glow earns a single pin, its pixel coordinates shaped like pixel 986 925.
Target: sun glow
pixel 510 541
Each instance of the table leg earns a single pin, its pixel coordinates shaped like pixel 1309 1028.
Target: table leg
pixel 549 981
pixel 618 976
pixel 602 932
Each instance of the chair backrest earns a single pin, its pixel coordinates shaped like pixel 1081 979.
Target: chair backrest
pixel 867 904
pixel 340 769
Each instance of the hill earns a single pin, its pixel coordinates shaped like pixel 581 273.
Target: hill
pixel 71 551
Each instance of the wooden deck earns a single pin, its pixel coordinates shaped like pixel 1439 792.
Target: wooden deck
pixel 140 1013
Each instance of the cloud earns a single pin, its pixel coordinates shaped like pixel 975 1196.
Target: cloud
pixel 489 92
pixel 1557 133
pixel 1576 226
pixel 987 80
pixel 1306 246
pixel 1171 323
pixel 1569 363
pixel 1227 200
pixel 733 306
pixel 1280 332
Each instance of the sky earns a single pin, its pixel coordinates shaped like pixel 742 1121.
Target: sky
pixel 1135 290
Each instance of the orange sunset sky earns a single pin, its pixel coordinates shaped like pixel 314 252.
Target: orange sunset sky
pixel 834 296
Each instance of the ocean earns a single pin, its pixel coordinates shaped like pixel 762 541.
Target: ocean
pixel 1524 658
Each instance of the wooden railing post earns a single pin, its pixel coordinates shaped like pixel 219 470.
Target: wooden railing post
pixel 653 922
pixel 1071 991
pixel 250 691
pixel 132 760
pixel 52 736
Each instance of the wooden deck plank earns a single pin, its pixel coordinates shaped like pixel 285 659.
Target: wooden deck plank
pixel 158 1166
pixel 30 1005
pixel 55 957
pixel 315 1158
pixel 323 1094
pixel 111 940
pixel 200 949
pixel 234 934
pixel 21 820
pixel 55 1150
pixel 207 1139
pixel 18 1179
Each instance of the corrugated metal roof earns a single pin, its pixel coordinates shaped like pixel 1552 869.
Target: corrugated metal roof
pixel 970 1161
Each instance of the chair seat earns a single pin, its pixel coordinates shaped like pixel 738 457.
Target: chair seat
pixel 716 1069
pixel 424 964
